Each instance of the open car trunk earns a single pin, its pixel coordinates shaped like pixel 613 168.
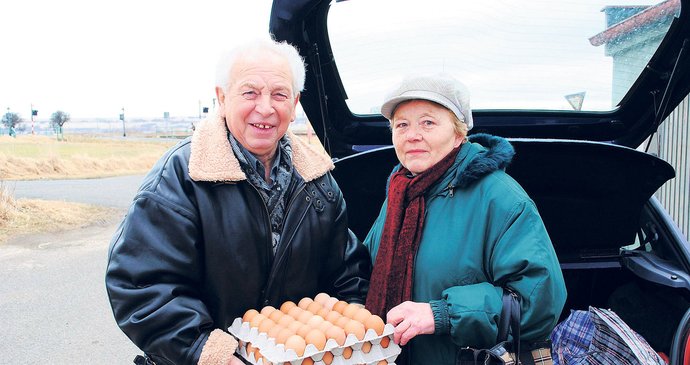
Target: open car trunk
pixel 617 247
pixel 598 215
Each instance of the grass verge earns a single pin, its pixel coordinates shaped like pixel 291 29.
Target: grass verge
pixel 27 216
pixel 41 157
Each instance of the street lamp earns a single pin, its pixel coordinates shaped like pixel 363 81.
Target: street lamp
pixel 122 118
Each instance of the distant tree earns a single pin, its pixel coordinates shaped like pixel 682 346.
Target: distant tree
pixel 57 120
pixel 11 121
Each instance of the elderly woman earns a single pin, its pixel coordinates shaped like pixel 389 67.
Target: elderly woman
pixel 454 231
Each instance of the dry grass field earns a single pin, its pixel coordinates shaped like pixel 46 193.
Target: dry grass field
pixel 42 157
pixel 39 157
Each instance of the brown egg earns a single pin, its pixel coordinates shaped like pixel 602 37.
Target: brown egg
pixel 315 321
pixel 361 315
pixel 295 312
pixel 330 303
pixel 256 352
pixel 351 309
pixel 376 323
pixel 323 312
pixel 385 341
pixel 284 334
pixel 250 349
pixel 332 316
pixel 295 325
pixel 342 321
pixel 316 338
pixel 276 315
pixel 266 325
pixel 314 307
pixel 321 298
pixel 249 315
pixel 307 361
pixel 355 328
pixel 285 307
pixel 325 325
pixel 305 316
pixel 304 302
pixel 267 310
pixel 340 306
pixel 274 331
pixel 285 320
pixel 327 358
pixel 382 362
pixel 256 320
pixel 336 333
pixel 366 347
pixel 303 330
pixel 347 352
pixel 296 343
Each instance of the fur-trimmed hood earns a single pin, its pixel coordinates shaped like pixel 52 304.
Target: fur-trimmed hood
pixel 483 155
pixel 212 158
pixel 496 155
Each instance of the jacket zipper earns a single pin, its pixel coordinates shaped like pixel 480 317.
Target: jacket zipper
pixel 282 247
pixel 267 222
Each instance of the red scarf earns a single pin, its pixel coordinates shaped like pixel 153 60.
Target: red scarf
pixel 391 280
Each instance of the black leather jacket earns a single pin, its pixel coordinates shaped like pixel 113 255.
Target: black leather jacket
pixel 191 256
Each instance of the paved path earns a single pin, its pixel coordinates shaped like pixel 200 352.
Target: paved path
pixel 53 304
pixel 111 191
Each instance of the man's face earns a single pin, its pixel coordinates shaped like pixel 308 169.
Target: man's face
pixel 259 104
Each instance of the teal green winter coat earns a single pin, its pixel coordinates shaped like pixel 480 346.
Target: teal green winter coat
pixel 481 232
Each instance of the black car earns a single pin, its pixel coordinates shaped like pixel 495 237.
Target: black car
pixel 592 95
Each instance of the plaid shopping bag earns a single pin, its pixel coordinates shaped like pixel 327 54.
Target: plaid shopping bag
pixel 599 337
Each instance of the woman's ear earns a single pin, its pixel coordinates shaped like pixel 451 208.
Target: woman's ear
pixel 459 139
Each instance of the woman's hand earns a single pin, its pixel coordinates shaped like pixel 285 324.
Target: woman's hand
pixel 411 319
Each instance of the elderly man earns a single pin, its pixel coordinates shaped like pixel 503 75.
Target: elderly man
pixel 241 216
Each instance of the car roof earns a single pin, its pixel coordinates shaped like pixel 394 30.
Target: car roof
pixel 344 127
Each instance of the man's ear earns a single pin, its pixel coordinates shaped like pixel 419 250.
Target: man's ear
pixel 294 107
pixel 220 95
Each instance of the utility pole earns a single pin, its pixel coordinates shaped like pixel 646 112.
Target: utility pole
pixel 34 113
pixel 166 131
pixel 122 118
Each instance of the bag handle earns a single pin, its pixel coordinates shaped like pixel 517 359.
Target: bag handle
pixel 510 319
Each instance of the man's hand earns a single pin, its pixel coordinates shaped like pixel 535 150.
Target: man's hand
pixel 411 319
pixel 235 361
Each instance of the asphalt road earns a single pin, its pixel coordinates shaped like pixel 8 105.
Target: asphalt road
pixel 53 304
pixel 112 191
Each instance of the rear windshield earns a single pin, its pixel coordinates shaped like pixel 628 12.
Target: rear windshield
pixel 581 55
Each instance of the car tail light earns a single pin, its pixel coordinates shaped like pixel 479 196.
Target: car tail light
pixel 686 351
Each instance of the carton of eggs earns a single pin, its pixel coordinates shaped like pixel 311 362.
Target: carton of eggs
pixel 320 331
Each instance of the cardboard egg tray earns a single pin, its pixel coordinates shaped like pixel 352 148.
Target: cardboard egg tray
pixel 276 354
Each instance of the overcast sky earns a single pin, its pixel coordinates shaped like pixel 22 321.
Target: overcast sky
pixel 92 58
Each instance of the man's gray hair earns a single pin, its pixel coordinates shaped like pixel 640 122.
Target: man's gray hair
pixel 229 58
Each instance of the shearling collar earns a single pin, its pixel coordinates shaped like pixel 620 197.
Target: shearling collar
pixel 212 159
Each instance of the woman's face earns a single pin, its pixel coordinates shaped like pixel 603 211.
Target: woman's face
pixel 423 134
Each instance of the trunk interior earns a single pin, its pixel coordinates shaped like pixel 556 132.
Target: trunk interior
pixel 595 200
